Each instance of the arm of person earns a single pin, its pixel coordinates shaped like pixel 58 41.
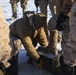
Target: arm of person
pixel 27 42
pixel 67 4
pixel 42 39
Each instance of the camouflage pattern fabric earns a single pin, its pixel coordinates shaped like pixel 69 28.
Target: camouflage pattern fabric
pixel 22 29
pixel 52 65
pixel 14 6
pixel 43 6
pixel 15 44
pixel 70 49
pixel 5 49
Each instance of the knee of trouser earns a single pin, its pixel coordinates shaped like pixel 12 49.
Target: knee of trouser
pixel 14 5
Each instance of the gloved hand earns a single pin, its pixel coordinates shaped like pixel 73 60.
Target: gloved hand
pixel 43 49
pixel 40 63
pixel 36 3
pixel 61 22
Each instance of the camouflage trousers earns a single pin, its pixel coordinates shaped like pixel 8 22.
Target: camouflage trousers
pixel 14 6
pixel 16 45
pixel 70 47
pixel 43 6
pixel 55 36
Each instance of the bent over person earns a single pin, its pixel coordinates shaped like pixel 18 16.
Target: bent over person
pixel 30 30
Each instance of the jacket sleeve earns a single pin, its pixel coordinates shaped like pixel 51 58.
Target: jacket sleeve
pixel 27 42
pixel 42 39
pixel 5 49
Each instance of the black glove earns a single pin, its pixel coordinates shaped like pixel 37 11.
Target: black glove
pixel 36 3
pixel 61 22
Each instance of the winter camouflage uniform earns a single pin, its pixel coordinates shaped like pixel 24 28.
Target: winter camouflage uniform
pixel 25 31
pixel 66 10
pixel 14 6
pixel 70 49
pixel 68 59
pixel 55 36
pixel 43 7
pixel 5 49
pixel 59 5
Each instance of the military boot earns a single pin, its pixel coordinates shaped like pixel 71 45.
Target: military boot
pixel 14 15
pixel 52 47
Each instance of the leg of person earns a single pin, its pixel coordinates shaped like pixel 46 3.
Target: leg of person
pixel 14 7
pixel 23 5
pixel 2 72
pixel 52 6
pixel 43 7
pixel 59 5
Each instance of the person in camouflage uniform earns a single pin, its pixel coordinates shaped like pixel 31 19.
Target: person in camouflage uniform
pixel 70 57
pixel 43 8
pixel 54 34
pixel 30 34
pixel 63 24
pixel 14 7
pixel 5 49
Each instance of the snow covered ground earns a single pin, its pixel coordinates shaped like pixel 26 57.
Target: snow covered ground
pixel 8 13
